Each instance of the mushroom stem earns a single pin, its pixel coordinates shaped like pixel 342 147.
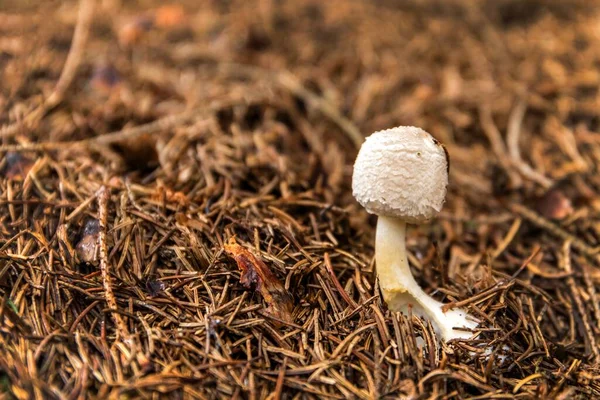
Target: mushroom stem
pixel 401 290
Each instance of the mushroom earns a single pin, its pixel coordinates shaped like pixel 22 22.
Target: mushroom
pixel 401 174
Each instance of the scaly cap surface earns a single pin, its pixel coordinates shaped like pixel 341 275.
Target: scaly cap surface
pixel 401 172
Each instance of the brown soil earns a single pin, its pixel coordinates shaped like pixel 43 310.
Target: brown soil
pixel 137 140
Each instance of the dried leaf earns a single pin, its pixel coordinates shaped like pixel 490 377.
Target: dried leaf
pixel 255 274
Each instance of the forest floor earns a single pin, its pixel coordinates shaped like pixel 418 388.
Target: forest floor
pixel 146 151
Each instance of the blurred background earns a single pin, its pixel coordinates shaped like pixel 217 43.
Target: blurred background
pixel 455 68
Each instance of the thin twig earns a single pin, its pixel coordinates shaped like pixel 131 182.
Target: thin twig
pixel 513 133
pixel 103 196
pixel 497 144
pixel 80 37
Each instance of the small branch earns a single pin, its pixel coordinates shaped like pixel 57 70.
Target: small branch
pixel 80 37
pixel 103 196
pixel 513 132
pixel 497 143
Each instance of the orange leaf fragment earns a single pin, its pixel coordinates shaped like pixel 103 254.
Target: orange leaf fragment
pixel 256 274
pixel 169 16
pixel 165 194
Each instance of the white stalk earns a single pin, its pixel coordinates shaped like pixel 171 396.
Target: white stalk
pixel 400 289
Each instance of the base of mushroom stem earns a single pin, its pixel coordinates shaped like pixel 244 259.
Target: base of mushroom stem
pixel 446 324
pixel 404 302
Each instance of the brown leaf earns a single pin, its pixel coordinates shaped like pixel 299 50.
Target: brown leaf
pixel 255 274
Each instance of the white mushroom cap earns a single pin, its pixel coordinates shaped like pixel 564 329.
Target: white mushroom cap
pixel 401 172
